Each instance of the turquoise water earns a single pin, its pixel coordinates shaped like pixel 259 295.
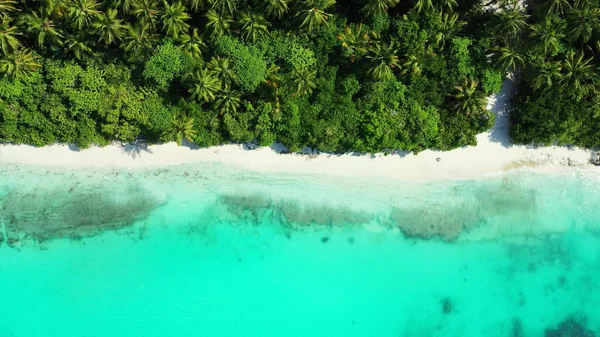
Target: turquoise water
pixel 215 251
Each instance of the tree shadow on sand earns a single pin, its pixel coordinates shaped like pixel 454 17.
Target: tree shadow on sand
pixel 135 148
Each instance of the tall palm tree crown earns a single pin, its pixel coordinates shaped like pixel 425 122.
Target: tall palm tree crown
pixel 22 63
pixel 467 99
pixel 174 19
pixel 383 59
pixel 315 15
pixel 109 27
pixel 8 38
pixel 253 26
pixel 182 127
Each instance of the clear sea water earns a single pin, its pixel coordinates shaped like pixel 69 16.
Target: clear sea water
pixel 209 250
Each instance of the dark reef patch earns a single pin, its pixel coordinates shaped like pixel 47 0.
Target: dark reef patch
pixel 41 215
pixel 517 328
pixel 448 220
pixel 572 326
pixel 291 213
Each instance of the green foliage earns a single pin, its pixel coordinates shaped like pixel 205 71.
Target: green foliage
pixel 354 76
pixel 166 63
pixel 156 113
pixel 248 64
pixel 543 119
pixel 558 102
pixel 180 128
pixel 491 81
pixel 290 127
pixel 299 57
pixel 380 22
pixel 461 56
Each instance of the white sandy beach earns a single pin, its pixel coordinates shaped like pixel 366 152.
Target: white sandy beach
pixel 494 153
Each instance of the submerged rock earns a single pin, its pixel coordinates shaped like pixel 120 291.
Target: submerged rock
pixel 517 328
pixel 446 305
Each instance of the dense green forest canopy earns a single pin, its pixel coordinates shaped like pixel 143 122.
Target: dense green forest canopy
pixel 362 75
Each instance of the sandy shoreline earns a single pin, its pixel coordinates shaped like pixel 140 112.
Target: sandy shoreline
pixel 494 153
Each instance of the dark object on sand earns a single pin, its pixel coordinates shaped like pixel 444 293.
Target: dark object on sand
pixel 595 160
pixel 324 239
pixel 351 240
pixel 438 159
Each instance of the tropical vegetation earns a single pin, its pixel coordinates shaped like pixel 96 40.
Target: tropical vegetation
pixel 360 75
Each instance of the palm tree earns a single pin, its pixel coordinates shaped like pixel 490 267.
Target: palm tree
pixel 78 45
pixel 578 73
pixel 206 86
pixel 512 20
pixel 448 5
pixel 315 16
pixel 228 100
pixel 195 5
pixel 139 40
pixel 40 27
pixel 383 60
pixel 181 127
pixel 582 22
pixel 109 27
pixel 253 26
pixel 508 59
pixel 276 8
pixel 174 19
pixel 6 6
pixel 192 44
pixel 58 8
pixel 421 5
pixel 355 41
pixel 378 7
pixel 83 13
pixel 223 6
pixel 467 99
pixel 449 25
pixel 556 6
pixel 304 81
pixel 147 11
pixel 546 74
pixel 8 38
pixel 218 24
pixel 582 3
pixel 272 78
pixel 20 64
pixel 549 36
pixel 411 64
pixel 222 68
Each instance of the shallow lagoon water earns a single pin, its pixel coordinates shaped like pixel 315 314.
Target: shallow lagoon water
pixel 215 251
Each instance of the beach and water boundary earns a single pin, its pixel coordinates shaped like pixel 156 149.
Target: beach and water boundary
pixel 493 240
